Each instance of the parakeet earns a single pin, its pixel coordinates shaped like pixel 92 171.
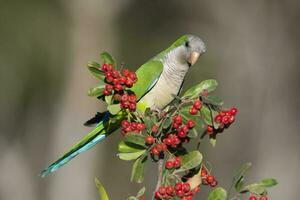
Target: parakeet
pixel 159 80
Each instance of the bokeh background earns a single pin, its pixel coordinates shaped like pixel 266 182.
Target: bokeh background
pixel 253 51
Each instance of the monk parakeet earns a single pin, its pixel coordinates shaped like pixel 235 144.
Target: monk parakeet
pixel 159 80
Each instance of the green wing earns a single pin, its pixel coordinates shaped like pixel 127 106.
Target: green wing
pixel 147 75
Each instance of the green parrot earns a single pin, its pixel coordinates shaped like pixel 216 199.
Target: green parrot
pixel 159 80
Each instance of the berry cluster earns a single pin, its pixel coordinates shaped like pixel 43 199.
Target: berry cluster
pixel 173 163
pixel 128 101
pixel 195 107
pixel 181 190
pixel 226 117
pixel 252 197
pixel 131 127
pixel 117 83
pixel 208 179
pixel 158 149
pixel 180 134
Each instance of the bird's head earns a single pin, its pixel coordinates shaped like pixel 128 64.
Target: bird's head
pixel 187 49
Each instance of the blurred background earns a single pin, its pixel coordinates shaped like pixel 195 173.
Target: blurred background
pixel 253 51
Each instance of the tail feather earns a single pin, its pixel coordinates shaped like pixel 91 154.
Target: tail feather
pixel 90 140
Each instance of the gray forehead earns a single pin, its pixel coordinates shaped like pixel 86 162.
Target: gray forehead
pixel 197 43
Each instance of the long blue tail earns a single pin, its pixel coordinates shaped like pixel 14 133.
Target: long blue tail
pixel 90 140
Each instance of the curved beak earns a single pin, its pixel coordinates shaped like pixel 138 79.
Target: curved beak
pixel 193 58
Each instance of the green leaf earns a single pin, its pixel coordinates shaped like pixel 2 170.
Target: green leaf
pixel 141 192
pixel 107 58
pixel 209 85
pixel 138 168
pixel 96 91
pixel 125 147
pixel 94 68
pixel 135 138
pixel 268 182
pixel 114 108
pixel 214 100
pixel 191 160
pixel 256 188
pixel 239 184
pixel 218 194
pixel 238 179
pixel 108 99
pixel 193 133
pixel 101 190
pixel 207 114
pixel 131 156
pixel 167 123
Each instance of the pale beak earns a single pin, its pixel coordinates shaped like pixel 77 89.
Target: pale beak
pixel 193 58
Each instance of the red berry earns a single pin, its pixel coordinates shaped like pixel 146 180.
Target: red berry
pixel 132 106
pixel 133 125
pixel 210 179
pixel 233 111
pixel 141 126
pixel 190 123
pixel 197 104
pixel 203 173
pixel 149 140
pixel 263 198
pixel 132 99
pixel 169 164
pixel 186 187
pixel 193 111
pixel 125 124
pixel 132 76
pixel 185 128
pixel 142 198
pixel 106 92
pixel 180 193
pixel 196 190
pixel 129 83
pixel 178 186
pixel 225 120
pixel 167 141
pixel 252 198
pixel 104 67
pixel 124 97
pixel 218 119
pixel 125 72
pixel 176 126
pixel 115 74
pixel 177 119
pixel 154 128
pixel 210 129
pixel 182 134
pixel 109 87
pixel 162 190
pixel 214 183
pixel 164 147
pixel 231 119
pixel 154 151
pixel 170 190
pixel 176 164
pixel 109 79
pixel 118 87
pixel 109 67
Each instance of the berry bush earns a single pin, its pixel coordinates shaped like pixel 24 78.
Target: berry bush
pixel 161 136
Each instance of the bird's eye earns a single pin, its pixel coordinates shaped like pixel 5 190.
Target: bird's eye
pixel 187 44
